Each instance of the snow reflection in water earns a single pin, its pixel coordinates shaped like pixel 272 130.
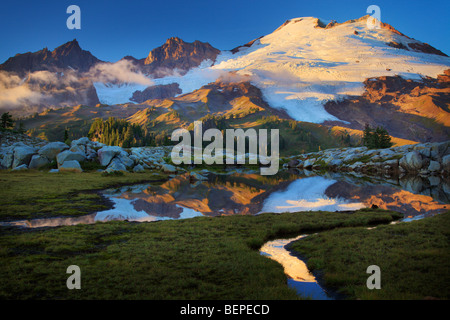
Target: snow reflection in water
pixel 251 194
pixel 308 194
pixel 240 193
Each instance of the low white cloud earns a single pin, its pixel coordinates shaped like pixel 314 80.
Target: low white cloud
pixel 39 89
pixel 15 92
pixel 122 71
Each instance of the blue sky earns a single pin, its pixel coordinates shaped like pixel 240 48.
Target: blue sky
pixel 113 29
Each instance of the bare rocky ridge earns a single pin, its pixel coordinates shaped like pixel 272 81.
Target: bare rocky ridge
pixel 177 54
pixel 67 56
pixel 68 80
pixel 174 56
pixel 56 78
pixel 409 109
pixel 220 98
pixel 156 92
pixel 247 45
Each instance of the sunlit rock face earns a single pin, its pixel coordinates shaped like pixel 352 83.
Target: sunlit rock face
pixel 177 54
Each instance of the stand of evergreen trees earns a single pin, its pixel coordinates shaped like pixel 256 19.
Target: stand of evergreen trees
pixel 377 138
pixel 119 132
pixel 7 123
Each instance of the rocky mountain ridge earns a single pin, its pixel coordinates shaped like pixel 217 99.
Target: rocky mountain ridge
pixel 176 54
pixel 67 56
pixel 366 76
pixel 412 109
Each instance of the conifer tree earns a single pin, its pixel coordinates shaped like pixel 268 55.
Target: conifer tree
pixel 6 120
pixel 376 139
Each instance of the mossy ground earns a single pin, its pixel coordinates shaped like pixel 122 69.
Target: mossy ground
pixel 37 194
pixel 199 258
pixel 414 258
pixel 203 258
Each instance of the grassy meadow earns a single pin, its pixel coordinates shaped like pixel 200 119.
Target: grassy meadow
pixel 203 257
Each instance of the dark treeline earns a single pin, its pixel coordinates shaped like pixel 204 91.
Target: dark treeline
pixel 376 138
pixel 7 123
pixel 120 132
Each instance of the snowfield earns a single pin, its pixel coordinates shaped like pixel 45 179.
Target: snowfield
pixel 299 67
pixel 124 210
pixel 116 93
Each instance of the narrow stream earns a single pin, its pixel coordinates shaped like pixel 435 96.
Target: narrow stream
pixel 299 277
pixel 251 194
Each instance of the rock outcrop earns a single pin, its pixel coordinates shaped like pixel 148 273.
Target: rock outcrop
pixel 22 155
pixel 180 55
pixel 156 92
pixel 70 165
pixel 426 159
pixel 38 161
pixel 51 150
pixel 68 55
pixel 416 110
pixel 71 158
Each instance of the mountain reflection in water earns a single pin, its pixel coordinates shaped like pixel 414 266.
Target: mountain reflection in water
pixel 250 194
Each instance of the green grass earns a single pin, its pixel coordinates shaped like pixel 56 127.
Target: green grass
pixel 199 258
pixel 203 258
pixel 37 194
pixel 414 259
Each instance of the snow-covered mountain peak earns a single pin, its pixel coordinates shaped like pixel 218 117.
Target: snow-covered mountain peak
pixel 302 64
pixel 308 61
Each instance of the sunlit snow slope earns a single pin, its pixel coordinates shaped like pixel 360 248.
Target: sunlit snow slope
pixel 300 66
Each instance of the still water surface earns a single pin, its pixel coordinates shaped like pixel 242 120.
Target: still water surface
pixel 252 194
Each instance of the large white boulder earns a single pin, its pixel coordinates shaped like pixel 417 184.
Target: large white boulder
pixel 21 167
pixel 51 150
pixel 70 165
pixel 107 153
pixel 22 155
pixel 7 159
pixel 412 161
pixel 69 155
pixel 82 141
pixel 168 168
pixel 125 159
pixel 38 161
pixel 116 165
pixel 138 168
